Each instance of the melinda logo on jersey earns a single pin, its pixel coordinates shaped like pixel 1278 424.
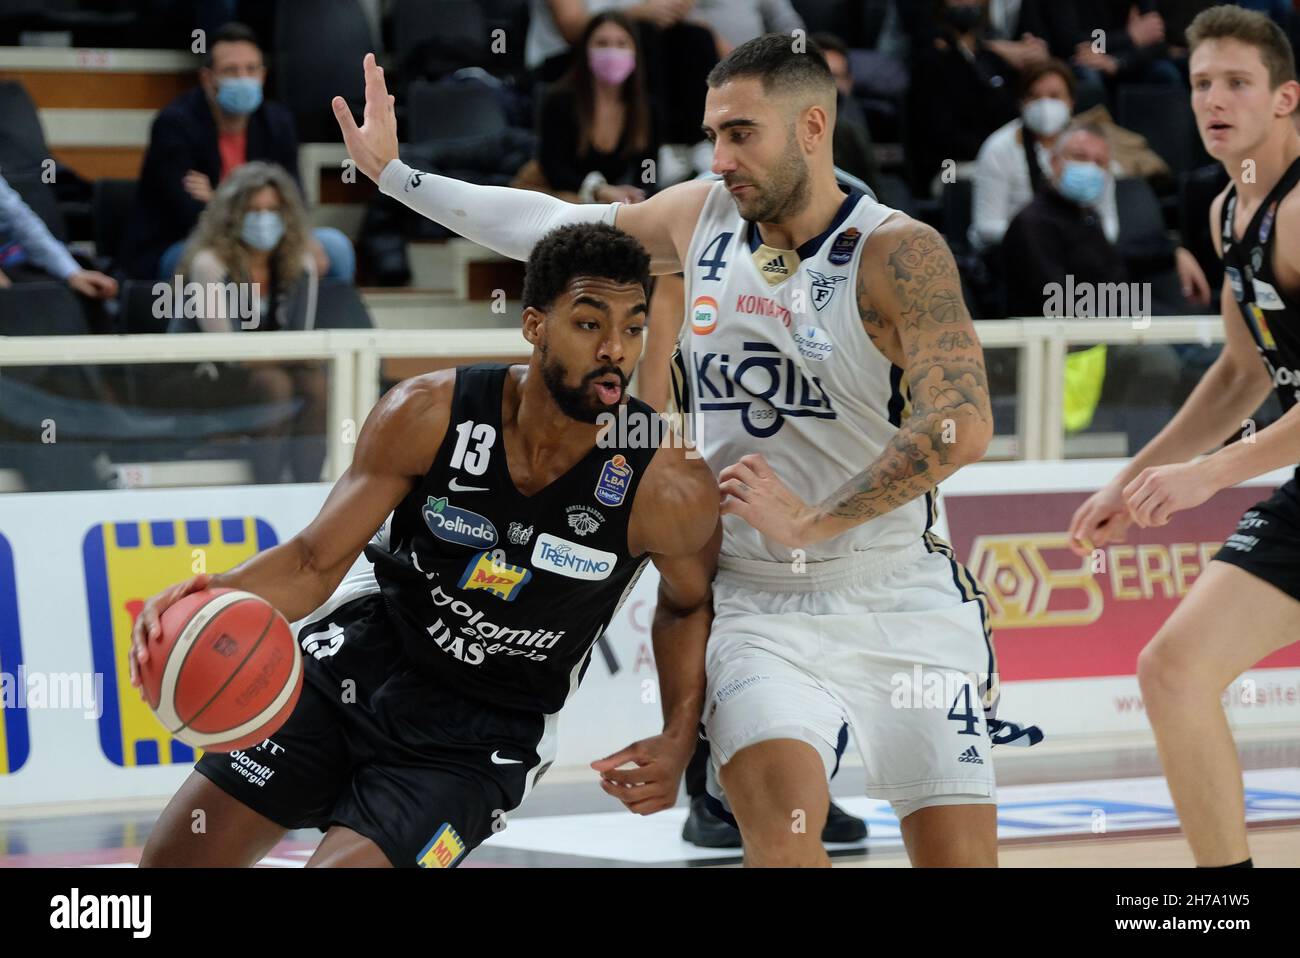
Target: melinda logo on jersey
pixel 458 526
pixel 764 385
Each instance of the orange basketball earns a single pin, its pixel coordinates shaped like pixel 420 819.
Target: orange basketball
pixel 226 672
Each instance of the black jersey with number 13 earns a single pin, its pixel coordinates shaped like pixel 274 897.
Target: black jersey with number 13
pixel 498 594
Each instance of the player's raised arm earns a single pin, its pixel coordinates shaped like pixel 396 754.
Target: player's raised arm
pixel 396 446
pixel 676 519
pixel 508 221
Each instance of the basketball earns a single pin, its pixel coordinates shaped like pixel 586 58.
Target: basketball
pixel 227 671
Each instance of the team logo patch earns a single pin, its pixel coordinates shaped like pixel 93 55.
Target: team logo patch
pixel 519 534
pixel 458 526
pixel 1266 224
pixel 611 487
pixel 823 288
pixel 813 343
pixel 584 520
pixel 1234 278
pixel 704 315
pixel 571 559
pixel 1266 296
pixel 500 578
pixel 842 249
pixel 1261 326
pixel 443 851
pixel 1256 259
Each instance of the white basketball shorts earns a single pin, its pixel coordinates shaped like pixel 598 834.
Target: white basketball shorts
pixel 892 651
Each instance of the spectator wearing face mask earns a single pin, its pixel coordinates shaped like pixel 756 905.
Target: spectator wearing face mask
pixel 1016 160
pixel 1058 239
pixel 597 131
pixel 253 239
pixel 197 141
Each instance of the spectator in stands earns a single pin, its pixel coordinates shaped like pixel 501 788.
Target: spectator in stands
pixel 1057 245
pixel 851 145
pixel 961 92
pixel 678 54
pixel 1005 178
pixel 735 21
pixel 28 251
pixel 253 237
pixel 1107 42
pixel 197 141
pixel 597 135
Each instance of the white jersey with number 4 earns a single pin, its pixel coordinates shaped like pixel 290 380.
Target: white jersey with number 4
pixel 779 364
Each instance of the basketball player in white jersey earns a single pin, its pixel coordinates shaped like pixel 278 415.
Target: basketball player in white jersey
pixel 836 379
pixel 1245 605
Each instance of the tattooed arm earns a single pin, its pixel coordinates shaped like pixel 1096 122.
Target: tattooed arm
pixel 909 297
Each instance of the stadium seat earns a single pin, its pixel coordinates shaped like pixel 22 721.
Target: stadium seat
pixel 110 208
pixel 22 142
pixel 41 309
pixel 339 306
pixel 1140 216
pixel 318 53
pixel 1163 116
pixel 958 200
pixel 451 108
pixel 135 308
pixel 447 35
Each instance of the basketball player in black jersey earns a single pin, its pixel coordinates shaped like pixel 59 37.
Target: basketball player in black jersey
pixel 1246 603
pixel 508 537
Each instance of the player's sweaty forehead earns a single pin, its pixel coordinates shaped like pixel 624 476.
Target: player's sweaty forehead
pixel 614 298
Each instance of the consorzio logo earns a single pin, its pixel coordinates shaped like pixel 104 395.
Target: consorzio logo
pixel 458 526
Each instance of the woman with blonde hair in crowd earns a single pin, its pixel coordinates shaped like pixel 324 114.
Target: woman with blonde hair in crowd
pixel 253 241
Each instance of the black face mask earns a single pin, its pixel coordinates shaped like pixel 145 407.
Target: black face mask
pixel 963 19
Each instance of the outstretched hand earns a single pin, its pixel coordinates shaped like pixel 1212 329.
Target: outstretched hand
pixel 373 144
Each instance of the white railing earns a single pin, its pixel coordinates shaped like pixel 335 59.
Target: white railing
pixel 355 357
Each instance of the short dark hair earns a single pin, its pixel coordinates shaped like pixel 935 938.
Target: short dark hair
pixel 583 249
pixel 1227 22
pixel 825 40
pixel 1035 73
pixel 772 58
pixel 232 32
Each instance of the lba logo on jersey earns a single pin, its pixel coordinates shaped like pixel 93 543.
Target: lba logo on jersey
pixel 611 487
pixel 458 526
pixel 14 738
pixel 571 559
pixel 501 579
pixel 125 563
pixel 704 315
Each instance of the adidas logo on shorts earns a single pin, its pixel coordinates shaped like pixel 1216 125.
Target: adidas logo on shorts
pixel 970 755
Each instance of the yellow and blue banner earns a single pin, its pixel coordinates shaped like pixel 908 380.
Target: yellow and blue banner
pixel 15 741
pixel 125 564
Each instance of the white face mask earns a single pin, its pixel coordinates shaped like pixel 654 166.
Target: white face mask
pixel 1046 116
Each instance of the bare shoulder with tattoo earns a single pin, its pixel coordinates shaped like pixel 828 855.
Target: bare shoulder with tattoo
pixel 910 300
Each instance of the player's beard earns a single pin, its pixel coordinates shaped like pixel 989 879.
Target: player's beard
pixel 576 403
pixel 786 191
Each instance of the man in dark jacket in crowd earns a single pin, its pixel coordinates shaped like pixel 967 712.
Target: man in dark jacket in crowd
pixel 196 140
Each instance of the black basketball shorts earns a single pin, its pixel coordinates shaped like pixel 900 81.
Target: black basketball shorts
pixel 1266 542
pixel 424 773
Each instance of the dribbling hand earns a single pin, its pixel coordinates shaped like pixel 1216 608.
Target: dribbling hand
pixel 147 628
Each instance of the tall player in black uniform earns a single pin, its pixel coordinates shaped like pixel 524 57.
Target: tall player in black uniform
pixel 512 535
pixel 1246 604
